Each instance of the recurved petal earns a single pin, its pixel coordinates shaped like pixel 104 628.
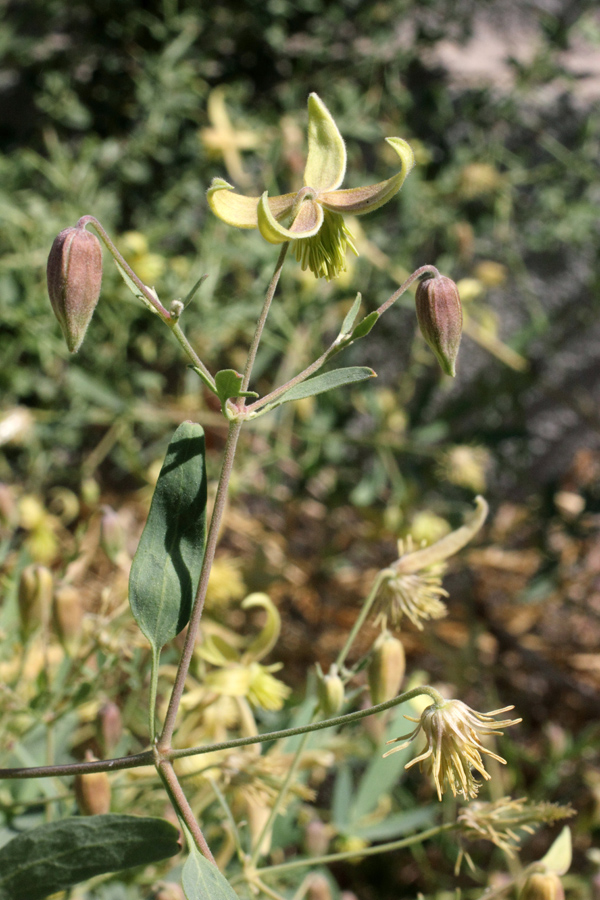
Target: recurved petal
pixel 235 209
pixel 326 162
pixel 365 199
pixel 306 223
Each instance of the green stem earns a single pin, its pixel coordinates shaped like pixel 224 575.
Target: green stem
pixel 263 316
pixel 279 799
pixel 228 814
pixel 336 722
pixel 361 619
pixel 354 854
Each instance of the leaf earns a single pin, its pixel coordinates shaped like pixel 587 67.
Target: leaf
pixel 58 855
pixel 351 316
pixel 135 290
pixel 397 824
pixel 202 880
pixel 559 856
pixel 364 327
pixel 342 798
pixel 228 383
pixel 166 567
pixel 327 382
pixel 382 774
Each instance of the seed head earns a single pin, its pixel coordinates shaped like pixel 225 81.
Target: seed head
pixel 74 276
pixel 439 314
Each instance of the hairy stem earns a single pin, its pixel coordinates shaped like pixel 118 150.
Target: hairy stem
pixel 360 620
pixel 148 757
pixel 279 799
pixel 353 854
pixel 263 316
pixel 151 299
pixel 406 284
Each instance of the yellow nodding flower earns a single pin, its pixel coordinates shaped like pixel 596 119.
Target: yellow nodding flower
pixel 315 213
pixel 454 748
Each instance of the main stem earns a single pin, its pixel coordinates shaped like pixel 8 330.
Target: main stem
pixel 180 802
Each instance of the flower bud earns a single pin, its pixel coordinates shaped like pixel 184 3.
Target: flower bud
pixel 68 615
pixel 109 727
pixel 74 275
pixel 330 690
pixel 319 887
pixel 35 597
pixel 169 891
pixel 542 886
pixel 439 313
pixel 92 791
pixel 386 668
pixel 317 837
pixel 112 534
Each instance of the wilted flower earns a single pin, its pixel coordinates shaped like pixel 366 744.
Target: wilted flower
pixel 415 595
pixel 454 748
pixel 412 586
pixel 315 212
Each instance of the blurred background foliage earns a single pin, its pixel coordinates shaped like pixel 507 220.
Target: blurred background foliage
pixel 126 112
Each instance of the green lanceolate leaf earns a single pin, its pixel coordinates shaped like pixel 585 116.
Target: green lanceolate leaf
pixel 351 315
pixel 327 382
pixel 364 326
pixel 166 567
pixel 202 880
pixel 56 856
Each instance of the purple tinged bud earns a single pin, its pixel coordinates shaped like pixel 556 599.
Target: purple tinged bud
pixel 74 275
pixel 109 727
pixel 439 313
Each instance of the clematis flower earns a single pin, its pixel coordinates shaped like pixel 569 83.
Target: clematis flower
pixel 314 214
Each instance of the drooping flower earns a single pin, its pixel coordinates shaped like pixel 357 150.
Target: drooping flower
pixel 315 213
pixel 454 748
